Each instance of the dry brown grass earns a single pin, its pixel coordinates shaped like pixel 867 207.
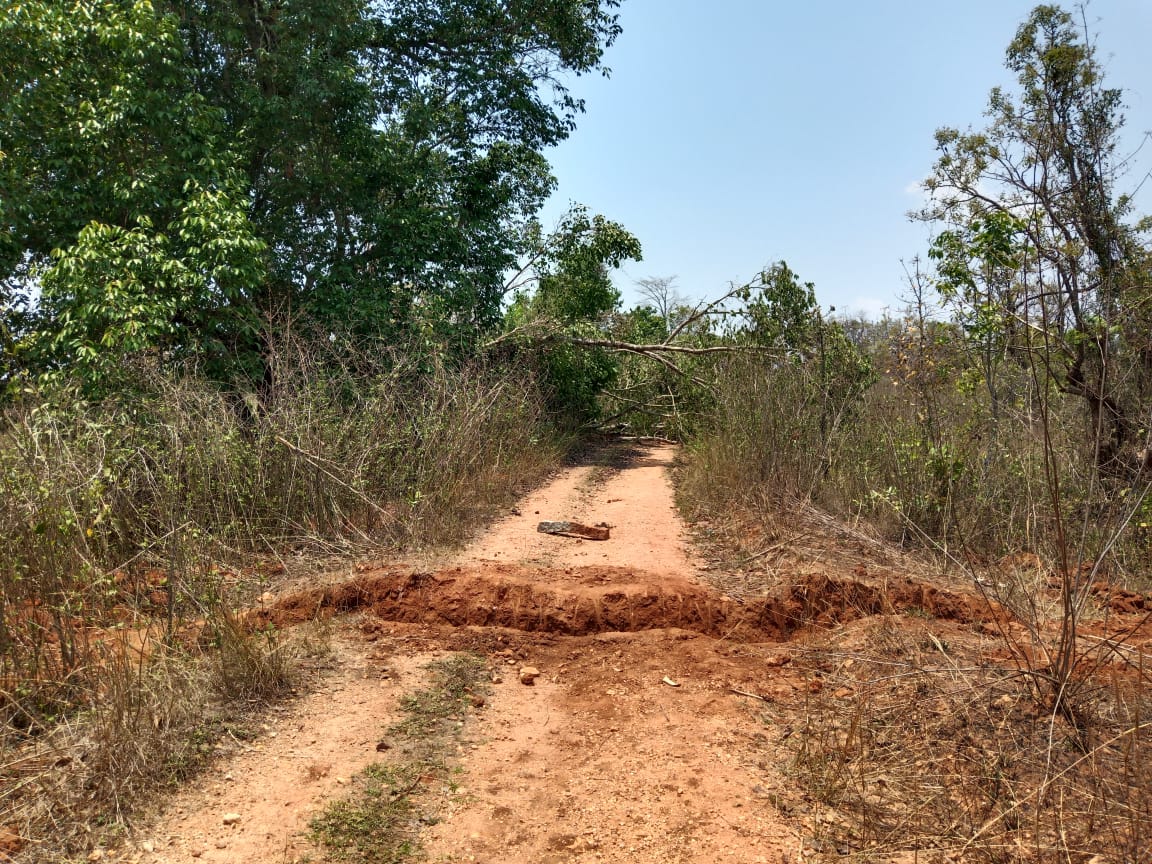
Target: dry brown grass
pixel 930 740
pixel 150 722
pixel 921 744
pixel 135 529
pixel 1025 747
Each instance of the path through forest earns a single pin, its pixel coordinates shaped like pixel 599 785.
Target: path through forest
pixel 631 746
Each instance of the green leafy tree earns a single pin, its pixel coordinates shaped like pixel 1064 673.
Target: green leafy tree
pixel 781 312
pixel 978 267
pixel 375 161
pixel 394 149
pixel 564 294
pixel 574 280
pixel 119 292
pixel 119 203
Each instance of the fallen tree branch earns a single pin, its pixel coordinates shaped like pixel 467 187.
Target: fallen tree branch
pixel 659 438
pixel 575 529
pixel 704 311
pixel 671 348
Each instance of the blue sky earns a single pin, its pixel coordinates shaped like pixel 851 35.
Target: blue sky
pixel 735 133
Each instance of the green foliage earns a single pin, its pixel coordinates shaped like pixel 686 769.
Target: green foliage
pixel 99 124
pixel 375 824
pixel 978 262
pixel 118 293
pixel 119 200
pixel 574 378
pixel 1035 255
pixel 169 171
pixel 642 324
pixel 574 284
pixel 779 311
pixel 573 296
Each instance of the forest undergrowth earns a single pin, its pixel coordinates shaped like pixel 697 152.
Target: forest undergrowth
pixel 137 529
pixel 1017 741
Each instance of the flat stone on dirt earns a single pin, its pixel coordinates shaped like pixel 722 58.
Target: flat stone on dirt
pixel 528 675
pixel 575 529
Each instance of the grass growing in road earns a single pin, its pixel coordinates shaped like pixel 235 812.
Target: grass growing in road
pixel 376 823
pixel 380 820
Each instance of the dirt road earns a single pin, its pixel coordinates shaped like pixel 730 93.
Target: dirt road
pixel 631 746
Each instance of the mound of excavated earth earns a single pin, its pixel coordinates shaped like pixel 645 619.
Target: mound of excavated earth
pixel 577 601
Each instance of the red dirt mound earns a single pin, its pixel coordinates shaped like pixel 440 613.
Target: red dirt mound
pixel 1119 600
pixel 602 599
pixel 820 600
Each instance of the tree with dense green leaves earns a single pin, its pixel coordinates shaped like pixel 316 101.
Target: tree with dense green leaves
pixel 119 201
pixel 562 296
pixel 174 172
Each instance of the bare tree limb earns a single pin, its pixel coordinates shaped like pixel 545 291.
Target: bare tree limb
pixel 665 347
pixel 704 311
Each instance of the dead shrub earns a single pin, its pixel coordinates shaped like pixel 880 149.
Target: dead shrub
pixel 248 665
pixel 150 515
pixel 930 750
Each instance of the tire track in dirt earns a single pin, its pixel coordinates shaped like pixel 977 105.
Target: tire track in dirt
pixel 601 761
pixel 300 758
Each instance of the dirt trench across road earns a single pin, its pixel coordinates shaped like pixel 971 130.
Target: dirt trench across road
pixel 648 736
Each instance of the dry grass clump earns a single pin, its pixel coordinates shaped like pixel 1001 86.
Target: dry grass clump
pixel 918 746
pixel 923 456
pixel 1027 747
pixel 762 434
pixel 149 506
pixel 152 717
pixel 135 528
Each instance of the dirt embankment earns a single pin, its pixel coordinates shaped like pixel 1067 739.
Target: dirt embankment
pixel 578 601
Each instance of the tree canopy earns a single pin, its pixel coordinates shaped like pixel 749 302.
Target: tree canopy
pixel 173 171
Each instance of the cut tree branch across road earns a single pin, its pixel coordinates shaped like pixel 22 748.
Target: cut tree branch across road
pixel 667 347
pixel 589 359
pixel 543 331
